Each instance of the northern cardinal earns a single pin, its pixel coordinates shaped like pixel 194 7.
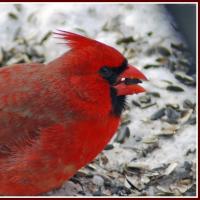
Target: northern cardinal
pixel 56 117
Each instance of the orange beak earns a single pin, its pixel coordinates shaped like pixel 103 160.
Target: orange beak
pixel 128 80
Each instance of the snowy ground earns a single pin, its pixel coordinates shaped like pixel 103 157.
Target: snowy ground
pixel 152 154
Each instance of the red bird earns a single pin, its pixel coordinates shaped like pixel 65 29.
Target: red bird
pixel 56 117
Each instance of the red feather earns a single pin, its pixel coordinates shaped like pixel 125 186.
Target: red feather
pixel 74 40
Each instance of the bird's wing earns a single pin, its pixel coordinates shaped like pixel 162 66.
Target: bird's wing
pixel 16 130
pixel 19 90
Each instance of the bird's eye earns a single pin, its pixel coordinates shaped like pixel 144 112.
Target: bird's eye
pixel 106 72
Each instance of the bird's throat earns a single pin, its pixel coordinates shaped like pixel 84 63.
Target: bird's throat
pixel 118 102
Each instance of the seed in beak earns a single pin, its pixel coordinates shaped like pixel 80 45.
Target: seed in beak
pixel 130 81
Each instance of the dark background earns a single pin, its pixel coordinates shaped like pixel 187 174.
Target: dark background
pixel 185 17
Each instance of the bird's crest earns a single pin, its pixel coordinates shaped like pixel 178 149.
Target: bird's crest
pixel 74 40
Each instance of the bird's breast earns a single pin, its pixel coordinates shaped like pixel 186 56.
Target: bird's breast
pixel 77 143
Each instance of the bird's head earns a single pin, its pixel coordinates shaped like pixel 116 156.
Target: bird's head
pixel 107 65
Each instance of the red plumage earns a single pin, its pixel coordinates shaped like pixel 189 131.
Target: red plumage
pixel 56 117
pixel 74 40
